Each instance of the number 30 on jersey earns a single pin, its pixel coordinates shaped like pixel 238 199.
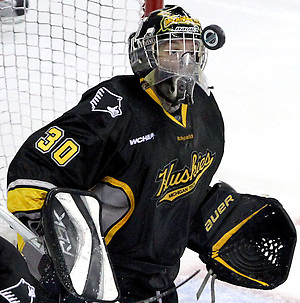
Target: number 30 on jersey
pixel 62 151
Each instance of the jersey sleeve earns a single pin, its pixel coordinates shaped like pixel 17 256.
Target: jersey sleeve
pixel 73 151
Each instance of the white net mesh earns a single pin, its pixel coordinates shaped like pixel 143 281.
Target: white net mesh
pixel 50 54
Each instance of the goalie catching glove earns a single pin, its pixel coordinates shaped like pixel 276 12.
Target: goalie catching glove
pixel 244 239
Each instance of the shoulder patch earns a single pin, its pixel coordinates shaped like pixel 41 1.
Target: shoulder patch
pixel 21 292
pixel 107 102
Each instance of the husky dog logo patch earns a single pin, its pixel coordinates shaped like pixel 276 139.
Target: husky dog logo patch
pixel 21 292
pixel 107 102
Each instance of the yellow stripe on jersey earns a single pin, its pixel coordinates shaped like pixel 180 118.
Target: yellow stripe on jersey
pixel 130 196
pixel 184 108
pixel 25 199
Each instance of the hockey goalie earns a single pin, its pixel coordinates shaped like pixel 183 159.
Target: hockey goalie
pixel 107 197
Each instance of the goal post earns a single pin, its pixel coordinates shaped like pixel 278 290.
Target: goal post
pixel 51 52
pixel 151 6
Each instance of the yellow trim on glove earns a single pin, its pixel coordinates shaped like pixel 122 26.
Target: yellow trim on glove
pixel 216 248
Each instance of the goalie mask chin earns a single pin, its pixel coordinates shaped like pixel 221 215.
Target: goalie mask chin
pixel 177 90
pixel 174 80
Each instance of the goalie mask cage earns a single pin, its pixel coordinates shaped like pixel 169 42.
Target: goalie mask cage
pixel 51 52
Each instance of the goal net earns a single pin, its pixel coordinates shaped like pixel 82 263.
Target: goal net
pixel 51 52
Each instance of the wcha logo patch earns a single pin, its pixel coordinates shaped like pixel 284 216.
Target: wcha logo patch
pixel 142 139
pixel 21 292
pixel 174 184
pixel 107 102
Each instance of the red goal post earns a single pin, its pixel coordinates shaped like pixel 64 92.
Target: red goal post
pixel 51 52
pixel 152 5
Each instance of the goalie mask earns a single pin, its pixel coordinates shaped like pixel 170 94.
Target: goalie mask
pixel 168 52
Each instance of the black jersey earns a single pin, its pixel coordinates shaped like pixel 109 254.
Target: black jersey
pixel 150 169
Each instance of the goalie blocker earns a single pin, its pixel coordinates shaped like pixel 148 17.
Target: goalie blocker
pixel 244 239
pixel 71 222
